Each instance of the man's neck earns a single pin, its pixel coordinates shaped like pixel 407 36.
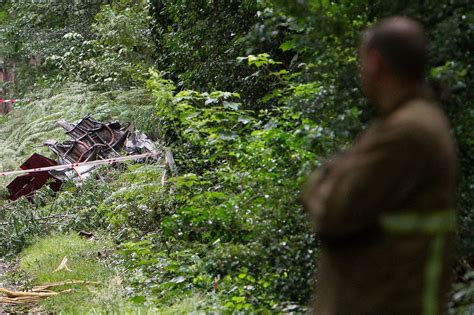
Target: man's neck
pixel 396 93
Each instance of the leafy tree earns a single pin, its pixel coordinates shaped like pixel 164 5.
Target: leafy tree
pixel 50 22
pixel 199 42
pixel 119 53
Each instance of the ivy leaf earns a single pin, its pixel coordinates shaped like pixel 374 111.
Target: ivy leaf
pixel 227 136
pixel 270 125
pixel 178 279
pixel 289 45
pixel 243 120
pixel 210 101
pixel 231 105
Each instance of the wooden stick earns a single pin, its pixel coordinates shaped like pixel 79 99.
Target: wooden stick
pixel 57 284
pixel 18 300
pixel 38 292
pixel 13 294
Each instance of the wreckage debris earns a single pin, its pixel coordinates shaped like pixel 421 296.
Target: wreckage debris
pixel 27 184
pixel 91 141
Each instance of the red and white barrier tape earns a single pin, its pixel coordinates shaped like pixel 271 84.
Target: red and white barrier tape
pixel 74 165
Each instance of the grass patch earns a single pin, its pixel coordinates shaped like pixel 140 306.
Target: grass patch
pixel 42 258
pixel 40 261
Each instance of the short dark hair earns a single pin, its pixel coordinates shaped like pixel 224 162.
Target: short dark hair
pixel 403 45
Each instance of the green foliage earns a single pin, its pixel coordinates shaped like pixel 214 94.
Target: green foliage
pixel 73 209
pixel 18 226
pixel 30 125
pixel 43 257
pixel 198 42
pixel 30 20
pixel 235 195
pixel 138 201
pixel 108 45
pixel 329 73
pixel 87 260
pixel 228 233
pixel 116 55
pixel 24 130
pixel 462 301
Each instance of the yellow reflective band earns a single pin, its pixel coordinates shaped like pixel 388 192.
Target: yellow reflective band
pixel 435 224
pixel 433 271
pixel 416 223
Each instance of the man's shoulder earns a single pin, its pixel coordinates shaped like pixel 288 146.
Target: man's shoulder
pixel 423 116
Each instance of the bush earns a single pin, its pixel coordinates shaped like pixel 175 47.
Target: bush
pixel 236 215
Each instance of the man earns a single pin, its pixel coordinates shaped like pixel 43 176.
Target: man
pixel 383 210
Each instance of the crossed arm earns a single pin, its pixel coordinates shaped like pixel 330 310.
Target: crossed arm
pixel 354 188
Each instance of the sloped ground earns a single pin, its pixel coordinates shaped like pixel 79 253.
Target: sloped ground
pixel 89 260
pixel 132 200
pixel 28 126
pixel 3 267
pixel 63 258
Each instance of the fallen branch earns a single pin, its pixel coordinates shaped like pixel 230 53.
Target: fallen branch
pixel 38 292
pixel 14 294
pixel 18 300
pixel 58 284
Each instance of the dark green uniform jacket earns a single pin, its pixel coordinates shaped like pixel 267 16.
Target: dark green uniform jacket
pixel 384 214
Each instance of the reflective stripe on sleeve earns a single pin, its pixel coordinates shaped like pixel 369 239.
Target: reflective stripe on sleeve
pixel 435 224
pixel 433 270
pixel 417 223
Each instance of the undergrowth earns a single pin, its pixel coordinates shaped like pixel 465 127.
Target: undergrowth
pixel 226 233
pixel 229 224
pixel 28 126
pixel 85 262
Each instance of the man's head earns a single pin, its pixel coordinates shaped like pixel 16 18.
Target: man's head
pixel 392 52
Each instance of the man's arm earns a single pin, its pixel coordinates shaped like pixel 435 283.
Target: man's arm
pixel 364 182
